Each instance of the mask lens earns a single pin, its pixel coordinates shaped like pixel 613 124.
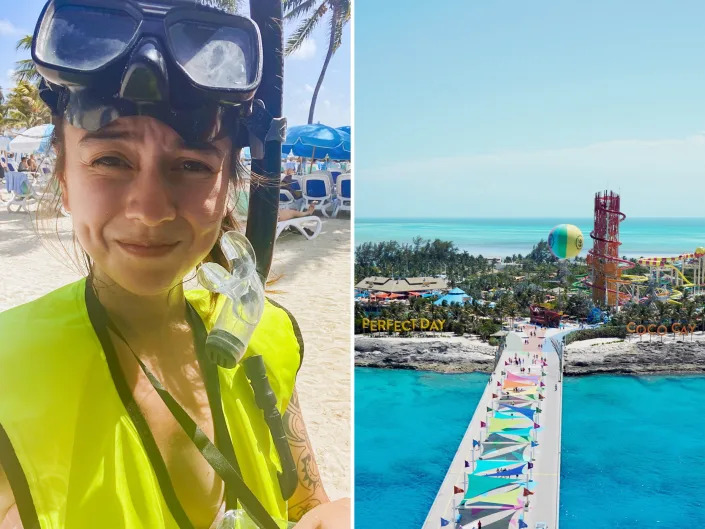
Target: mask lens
pixel 216 57
pixel 84 38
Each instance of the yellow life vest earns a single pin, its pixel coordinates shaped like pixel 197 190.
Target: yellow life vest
pixel 72 453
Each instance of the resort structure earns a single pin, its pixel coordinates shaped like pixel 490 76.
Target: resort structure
pixel 612 287
pixel 405 285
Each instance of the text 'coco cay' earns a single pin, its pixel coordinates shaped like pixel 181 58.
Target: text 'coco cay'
pixel 661 330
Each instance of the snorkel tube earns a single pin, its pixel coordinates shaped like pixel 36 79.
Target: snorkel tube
pixel 264 199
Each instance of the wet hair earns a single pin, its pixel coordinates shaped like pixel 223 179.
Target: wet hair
pixel 50 208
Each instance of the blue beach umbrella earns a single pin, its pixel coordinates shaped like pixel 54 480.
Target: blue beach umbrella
pixel 317 141
pixel 345 129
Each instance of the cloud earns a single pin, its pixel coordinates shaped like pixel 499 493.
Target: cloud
pixel 308 88
pixel 8 29
pixel 328 111
pixel 656 178
pixel 8 81
pixel 306 51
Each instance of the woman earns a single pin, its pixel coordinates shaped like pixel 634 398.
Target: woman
pixel 95 374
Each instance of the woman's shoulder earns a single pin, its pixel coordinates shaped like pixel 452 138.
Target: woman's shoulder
pixel 43 321
pixel 274 313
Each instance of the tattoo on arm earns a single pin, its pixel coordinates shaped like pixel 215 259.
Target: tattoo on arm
pixel 309 493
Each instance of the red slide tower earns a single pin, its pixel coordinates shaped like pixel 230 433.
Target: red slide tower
pixel 604 261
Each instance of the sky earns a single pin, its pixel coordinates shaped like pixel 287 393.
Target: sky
pixel 526 109
pixel 301 69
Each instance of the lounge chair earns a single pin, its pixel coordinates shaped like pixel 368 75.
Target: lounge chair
pixel 309 226
pixel 21 191
pixel 287 200
pixel 343 200
pixel 317 190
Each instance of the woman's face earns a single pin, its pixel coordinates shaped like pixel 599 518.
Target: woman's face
pixel 146 207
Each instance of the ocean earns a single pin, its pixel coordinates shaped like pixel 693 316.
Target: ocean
pixel 502 237
pixel 633 448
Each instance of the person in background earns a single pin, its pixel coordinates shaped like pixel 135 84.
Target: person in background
pixel 289 184
pixel 290 165
pixel 32 163
pixel 23 167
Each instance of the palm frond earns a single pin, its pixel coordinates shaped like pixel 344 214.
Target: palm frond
pixel 300 10
pixel 304 30
pixel 25 43
pixel 340 17
pixel 288 5
pixel 26 71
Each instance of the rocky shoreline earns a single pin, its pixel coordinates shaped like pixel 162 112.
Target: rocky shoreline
pixel 442 356
pixel 582 358
pixel 636 358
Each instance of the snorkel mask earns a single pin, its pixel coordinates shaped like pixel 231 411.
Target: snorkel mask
pixel 192 67
pixel 203 72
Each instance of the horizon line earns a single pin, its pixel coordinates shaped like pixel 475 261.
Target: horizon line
pixel 357 217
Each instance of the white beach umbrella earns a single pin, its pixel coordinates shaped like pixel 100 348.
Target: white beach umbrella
pixel 34 140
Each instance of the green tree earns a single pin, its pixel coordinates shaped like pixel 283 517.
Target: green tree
pixel 25 69
pixel 578 305
pixel 24 108
pixel 313 12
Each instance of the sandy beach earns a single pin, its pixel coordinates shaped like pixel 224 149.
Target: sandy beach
pixel 314 287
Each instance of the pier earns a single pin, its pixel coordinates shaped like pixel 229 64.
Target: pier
pixel 506 471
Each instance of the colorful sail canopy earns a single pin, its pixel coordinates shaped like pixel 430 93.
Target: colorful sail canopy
pixel 532 379
pixel 478 485
pixel 510 498
pixel 527 412
pixel 498 425
pixel 511 384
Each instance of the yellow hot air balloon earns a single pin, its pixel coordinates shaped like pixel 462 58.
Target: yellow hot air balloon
pixel 565 241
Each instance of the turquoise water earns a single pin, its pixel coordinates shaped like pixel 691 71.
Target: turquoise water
pixel 633 448
pixel 633 453
pixel 639 236
pixel 407 428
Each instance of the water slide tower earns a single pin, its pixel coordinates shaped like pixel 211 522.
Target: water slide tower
pixel 605 264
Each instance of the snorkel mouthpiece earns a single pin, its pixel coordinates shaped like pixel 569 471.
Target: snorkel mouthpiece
pixel 227 342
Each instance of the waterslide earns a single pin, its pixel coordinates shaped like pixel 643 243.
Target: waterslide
pixel 580 283
pixel 686 282
pixel 674 296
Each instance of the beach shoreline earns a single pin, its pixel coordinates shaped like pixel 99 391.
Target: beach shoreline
pixel 589 357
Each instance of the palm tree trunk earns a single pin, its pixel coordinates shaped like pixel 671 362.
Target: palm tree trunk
pixel 329 54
